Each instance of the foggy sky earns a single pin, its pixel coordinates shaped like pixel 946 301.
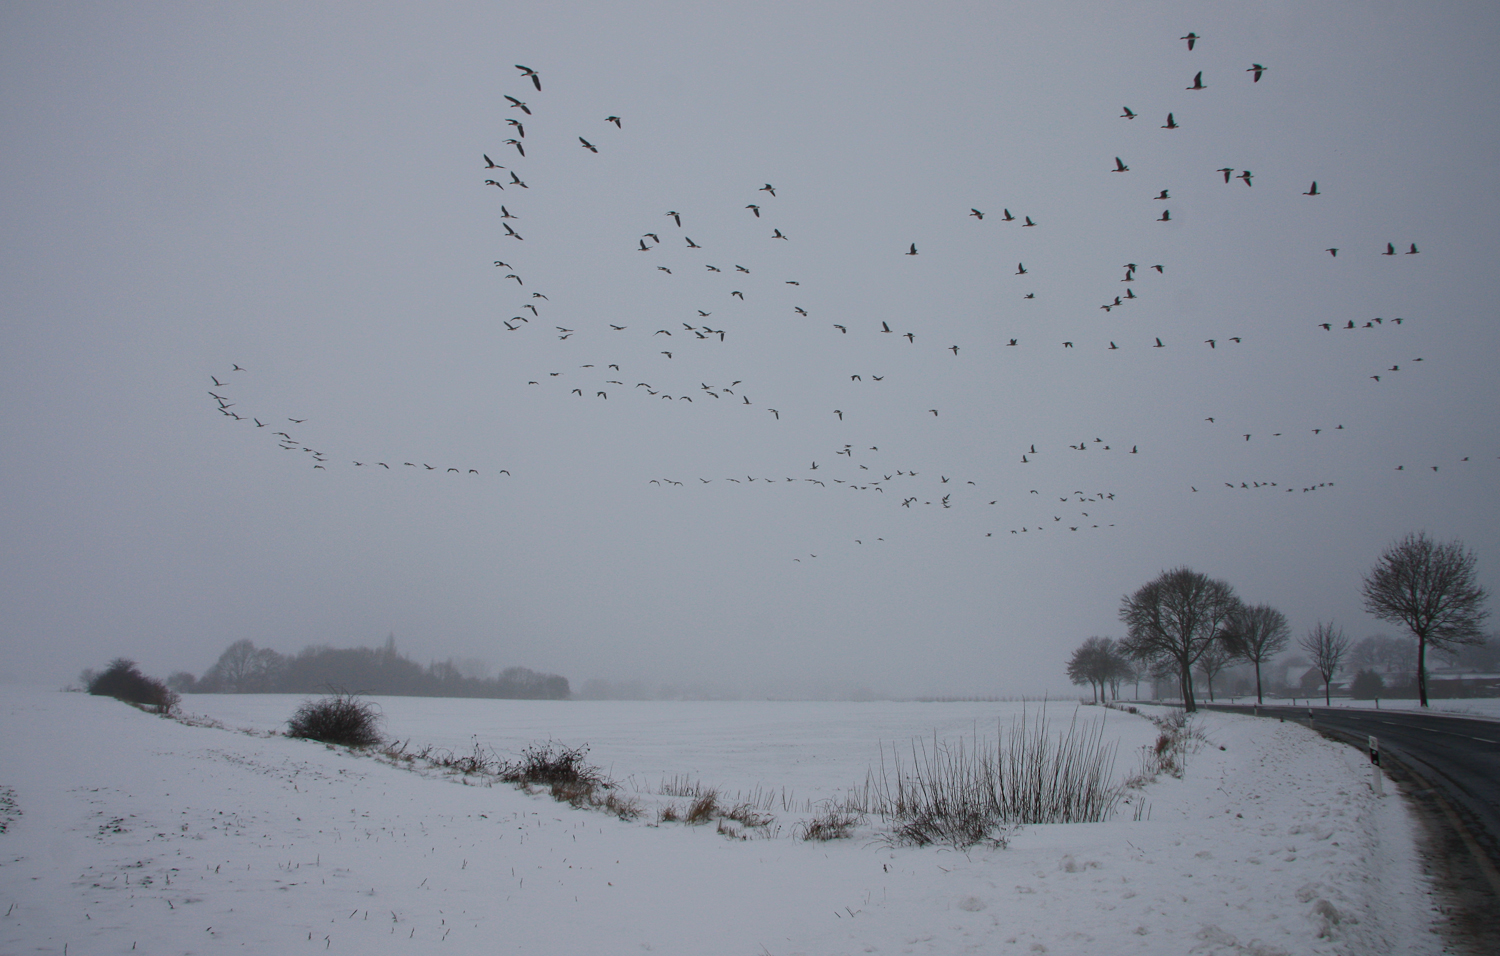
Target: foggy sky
pixel 299 190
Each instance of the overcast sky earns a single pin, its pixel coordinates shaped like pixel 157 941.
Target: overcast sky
pixel 299 190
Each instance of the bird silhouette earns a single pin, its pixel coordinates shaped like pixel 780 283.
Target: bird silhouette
pixel 615 120
pixel 1171 123
pixel 1120 166
pixel 913 250
pixel 1257 69
pixel 587 145
pixel 517 104
pixel 1128 114
pixel 528 71
pixel 1191 38
pixel 1314 190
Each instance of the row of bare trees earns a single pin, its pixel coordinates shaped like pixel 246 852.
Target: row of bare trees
pixel 1184 620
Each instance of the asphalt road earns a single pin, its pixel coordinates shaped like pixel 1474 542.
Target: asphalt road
pixel 1450 768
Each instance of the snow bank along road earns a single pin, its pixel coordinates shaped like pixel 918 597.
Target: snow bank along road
pixel 133 833
pixel 1452 765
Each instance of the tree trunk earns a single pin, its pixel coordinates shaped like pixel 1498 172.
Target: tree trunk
pixel 1259 697
pixel 1328 690
pixel 1422 668
pixel 1186 680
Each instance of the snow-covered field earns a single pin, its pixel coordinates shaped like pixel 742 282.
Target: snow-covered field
pixel 132 832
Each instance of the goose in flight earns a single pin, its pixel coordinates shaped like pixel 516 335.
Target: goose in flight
pixel 1128 114
pixel 1227 171
pixel 1005 215
pixel 767 188
pixel 520 130
pixel 490 163
pixel 755 209
pixel 615 120
pixel 675 217
pixel 1171 123
pixel 1120 166
pixel 587 145
pixel 1020 268
pixel 1191 38
pixel 1028 222
pixel 1198 82
pixel 1257 69
pixel 1314 190
pixel 976 213
pixel 913 250
pixel 1413 250
pixel 1163 195
pixel 1246 175
pixel 528 71
pixel 517 104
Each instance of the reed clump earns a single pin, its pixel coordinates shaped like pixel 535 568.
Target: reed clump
pixel 969 791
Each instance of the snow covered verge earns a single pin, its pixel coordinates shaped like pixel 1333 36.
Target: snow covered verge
pixel 130 831
pixel 1480 707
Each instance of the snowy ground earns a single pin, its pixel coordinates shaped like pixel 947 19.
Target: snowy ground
pixel 139 832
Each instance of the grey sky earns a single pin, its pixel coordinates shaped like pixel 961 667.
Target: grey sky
pixel 299 190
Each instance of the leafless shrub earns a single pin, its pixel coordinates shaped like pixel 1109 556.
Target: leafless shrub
pixel 1178 738
pixel 340 718
pixel 551 763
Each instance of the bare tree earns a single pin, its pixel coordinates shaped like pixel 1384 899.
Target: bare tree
pixel 1177 616
pixel 1429 588
pixel 1095 662
pixel 1326 645
pixel 1257 634
pixel 1214 659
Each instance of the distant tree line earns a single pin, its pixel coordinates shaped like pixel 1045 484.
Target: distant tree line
pixel 1184 623
pixel 244 668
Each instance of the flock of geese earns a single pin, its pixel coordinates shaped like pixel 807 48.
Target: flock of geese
pixel 676 342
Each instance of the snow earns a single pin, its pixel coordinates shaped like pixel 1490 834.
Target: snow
pixel 139 832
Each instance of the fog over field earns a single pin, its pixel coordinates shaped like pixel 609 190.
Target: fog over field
pixel 860 357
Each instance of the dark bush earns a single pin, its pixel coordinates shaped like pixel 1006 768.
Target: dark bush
pixel 1367 686
pixel 340 718
pixel 122 681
